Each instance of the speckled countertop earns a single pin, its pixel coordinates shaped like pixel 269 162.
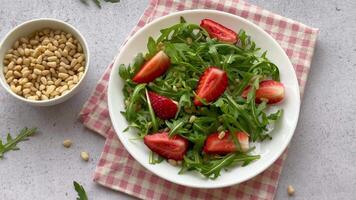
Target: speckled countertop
pixel 322 155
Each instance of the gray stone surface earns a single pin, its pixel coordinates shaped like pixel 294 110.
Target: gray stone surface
pixel 322 155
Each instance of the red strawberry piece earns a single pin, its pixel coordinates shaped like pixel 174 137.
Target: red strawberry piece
pixel 153 68
pixel 224 145
pixel 269 90
pixel 242 137
pixel 164 107
pixel 211 86
pixel 170 148
pixel 219 31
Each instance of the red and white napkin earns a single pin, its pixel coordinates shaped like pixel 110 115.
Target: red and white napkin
pixel 119 171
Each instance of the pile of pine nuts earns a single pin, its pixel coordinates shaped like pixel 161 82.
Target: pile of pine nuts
pixel 44 65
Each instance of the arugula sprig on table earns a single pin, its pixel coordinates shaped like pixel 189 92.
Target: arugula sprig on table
pixel 11 143
pixel 98 2
pixel 191 52
pixel 82 195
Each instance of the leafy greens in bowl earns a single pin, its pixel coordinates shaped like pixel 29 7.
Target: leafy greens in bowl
pixel 200 97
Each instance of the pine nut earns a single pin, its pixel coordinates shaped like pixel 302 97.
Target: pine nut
pixel 6 62
pixel 38 93
pixel 27 85
pixel 23 81
pixel 63 88
pixel 52 64
pixel 17 74
pixel 61 69
pixel 79 48
pixel 26 73
pixel 221 135
pixel 48 53
pixel 65 60
pixel 19 61
pixel 33 42
pixel 10 79
pixel 16 53
pixel 290 190
pixel 24 40
pixel 45 72
pixel 13 88
pixel 80 59
pixel 17 68
pixel 43 80
pixel 33 76
pixel 75 79
pixel 27 52
pixel 18 88
pixel 37 71
pixel 192 118
pixel 42 87
pixel 44 97
pixel 6 70
pixel 65 53
pixel 172 162
pixel 32 97
pixel 21 51
pixel 9 74
pixel 58 54
pixel 81 69
pixel 77 55
pixel 67 143
pixel 26 91
pixel 50 89
pixel 84 155
pixel 62 75
pixel 70 45
pixel 70 72
pixel 57 82
pixel 52 58
pixel 45 41
pixel 80 74
pixel 74 62
pixel 33 89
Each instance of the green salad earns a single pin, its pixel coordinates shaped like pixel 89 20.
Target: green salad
pixel 198 97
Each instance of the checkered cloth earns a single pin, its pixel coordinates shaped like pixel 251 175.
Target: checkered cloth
pixel 119 171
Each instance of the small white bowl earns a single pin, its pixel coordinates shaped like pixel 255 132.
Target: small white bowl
pixel 27 28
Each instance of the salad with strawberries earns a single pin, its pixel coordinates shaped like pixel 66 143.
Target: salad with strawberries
pixel 201 96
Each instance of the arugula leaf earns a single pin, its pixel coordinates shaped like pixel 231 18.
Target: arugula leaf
pixel 11 143
pixel 82 195
pixel 152 114
pixel 154 158
pixel 130 111
pixel 151 47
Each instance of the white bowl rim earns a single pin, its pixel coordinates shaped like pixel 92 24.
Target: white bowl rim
pixel 146 164
pixel 54 100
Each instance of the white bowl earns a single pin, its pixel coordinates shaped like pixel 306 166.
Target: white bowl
pixel 269 150
pixel 27 28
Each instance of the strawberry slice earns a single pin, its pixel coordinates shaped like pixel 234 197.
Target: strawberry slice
pixel 225 145
pixel 219 31
pixel 164 107
pixel 153 68
pixel 211 85
pixel 170 148
pixel 269 90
